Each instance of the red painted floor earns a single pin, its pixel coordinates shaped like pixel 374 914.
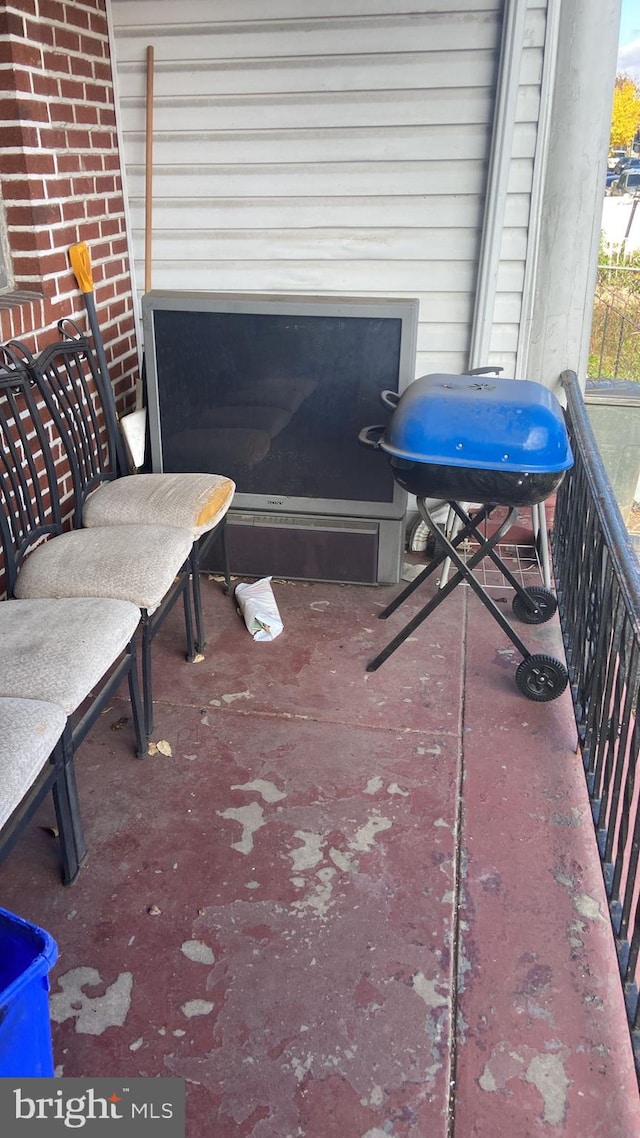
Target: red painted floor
pixel 344 905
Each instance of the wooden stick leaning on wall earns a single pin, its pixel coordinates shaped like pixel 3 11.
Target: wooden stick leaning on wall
pixel 148 212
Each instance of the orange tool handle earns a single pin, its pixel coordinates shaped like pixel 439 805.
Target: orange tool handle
pixel 80 259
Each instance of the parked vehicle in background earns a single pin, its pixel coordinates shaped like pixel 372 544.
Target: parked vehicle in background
pixel 625 163
pixel 632 166
pixel 614 157
pixel 627 183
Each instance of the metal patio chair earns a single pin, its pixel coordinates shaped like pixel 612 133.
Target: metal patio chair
pixel 69 377
pixel 149 565
pixel 58 657
pixel 32 763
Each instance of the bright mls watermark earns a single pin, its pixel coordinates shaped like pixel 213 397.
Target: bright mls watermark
pixel 130 1108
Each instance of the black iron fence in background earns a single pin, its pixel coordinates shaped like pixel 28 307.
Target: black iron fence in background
pixel 598 585
pixel 614 350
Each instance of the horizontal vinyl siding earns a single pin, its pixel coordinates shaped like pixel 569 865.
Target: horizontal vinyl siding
pixel 513 251
pixel 340 152
pixel 143 14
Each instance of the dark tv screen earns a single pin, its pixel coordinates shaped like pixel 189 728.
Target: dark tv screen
pixel 276 401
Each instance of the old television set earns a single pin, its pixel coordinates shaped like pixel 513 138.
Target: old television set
pixel 273 391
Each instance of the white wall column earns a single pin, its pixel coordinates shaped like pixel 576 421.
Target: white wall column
pixel 504 118
pixel 569 207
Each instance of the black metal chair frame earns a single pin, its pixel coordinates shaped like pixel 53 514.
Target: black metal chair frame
pixel 21 527
pixel 69 355
pixel 33 512
pixel 59 378
pixel 59 777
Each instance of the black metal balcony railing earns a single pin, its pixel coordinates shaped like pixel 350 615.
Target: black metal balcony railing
pixel 598 586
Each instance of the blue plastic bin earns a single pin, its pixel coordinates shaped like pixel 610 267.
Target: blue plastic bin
pixel 26 955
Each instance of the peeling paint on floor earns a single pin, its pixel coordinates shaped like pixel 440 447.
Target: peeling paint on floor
pixel 251 818
pixel 309 853
pixel 198 951
pixel 268 992
pixel 588 907
pixel 319 898
pixel 231 697
pixel 366 835
pixel 92 1014
pixel 197 1008
pixel 426 989
pixel 377 903
pixel 547 1073
pixel 268 791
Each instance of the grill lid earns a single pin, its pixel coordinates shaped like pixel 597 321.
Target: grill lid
pixel 489 424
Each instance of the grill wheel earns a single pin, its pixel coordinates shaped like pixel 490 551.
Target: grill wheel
pixel 545 601
pixel 541 678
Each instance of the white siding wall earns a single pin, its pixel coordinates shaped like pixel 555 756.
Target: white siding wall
pixel 339 147
pixel 513 250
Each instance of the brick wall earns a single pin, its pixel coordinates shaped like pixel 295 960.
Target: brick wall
pixel 61 182
pixel 60 177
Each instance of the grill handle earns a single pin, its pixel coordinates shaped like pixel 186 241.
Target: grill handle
pixel 390 399
pixel 484 371
pixel 370 436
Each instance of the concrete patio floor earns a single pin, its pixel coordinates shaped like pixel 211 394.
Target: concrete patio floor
pixel 342 905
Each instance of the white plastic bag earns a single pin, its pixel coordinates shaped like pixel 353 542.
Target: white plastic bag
pixel 259 609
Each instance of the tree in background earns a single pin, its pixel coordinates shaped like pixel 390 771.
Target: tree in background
pixel 625 117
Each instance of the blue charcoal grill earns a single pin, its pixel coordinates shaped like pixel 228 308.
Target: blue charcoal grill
pixel 490 442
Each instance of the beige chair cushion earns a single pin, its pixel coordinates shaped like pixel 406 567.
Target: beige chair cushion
pixel 29 730
pixel 196 502
pixel 59 650
pixel 127 563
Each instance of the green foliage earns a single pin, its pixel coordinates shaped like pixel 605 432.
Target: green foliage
pixel 625 115
pixel 614 351
pixel 619 270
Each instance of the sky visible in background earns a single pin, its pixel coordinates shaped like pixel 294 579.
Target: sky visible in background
pixel 629 53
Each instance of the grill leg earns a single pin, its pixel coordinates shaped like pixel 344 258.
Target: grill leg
pixel 464 572
pixel 543 538
pixel 471 527
pixel 431 568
